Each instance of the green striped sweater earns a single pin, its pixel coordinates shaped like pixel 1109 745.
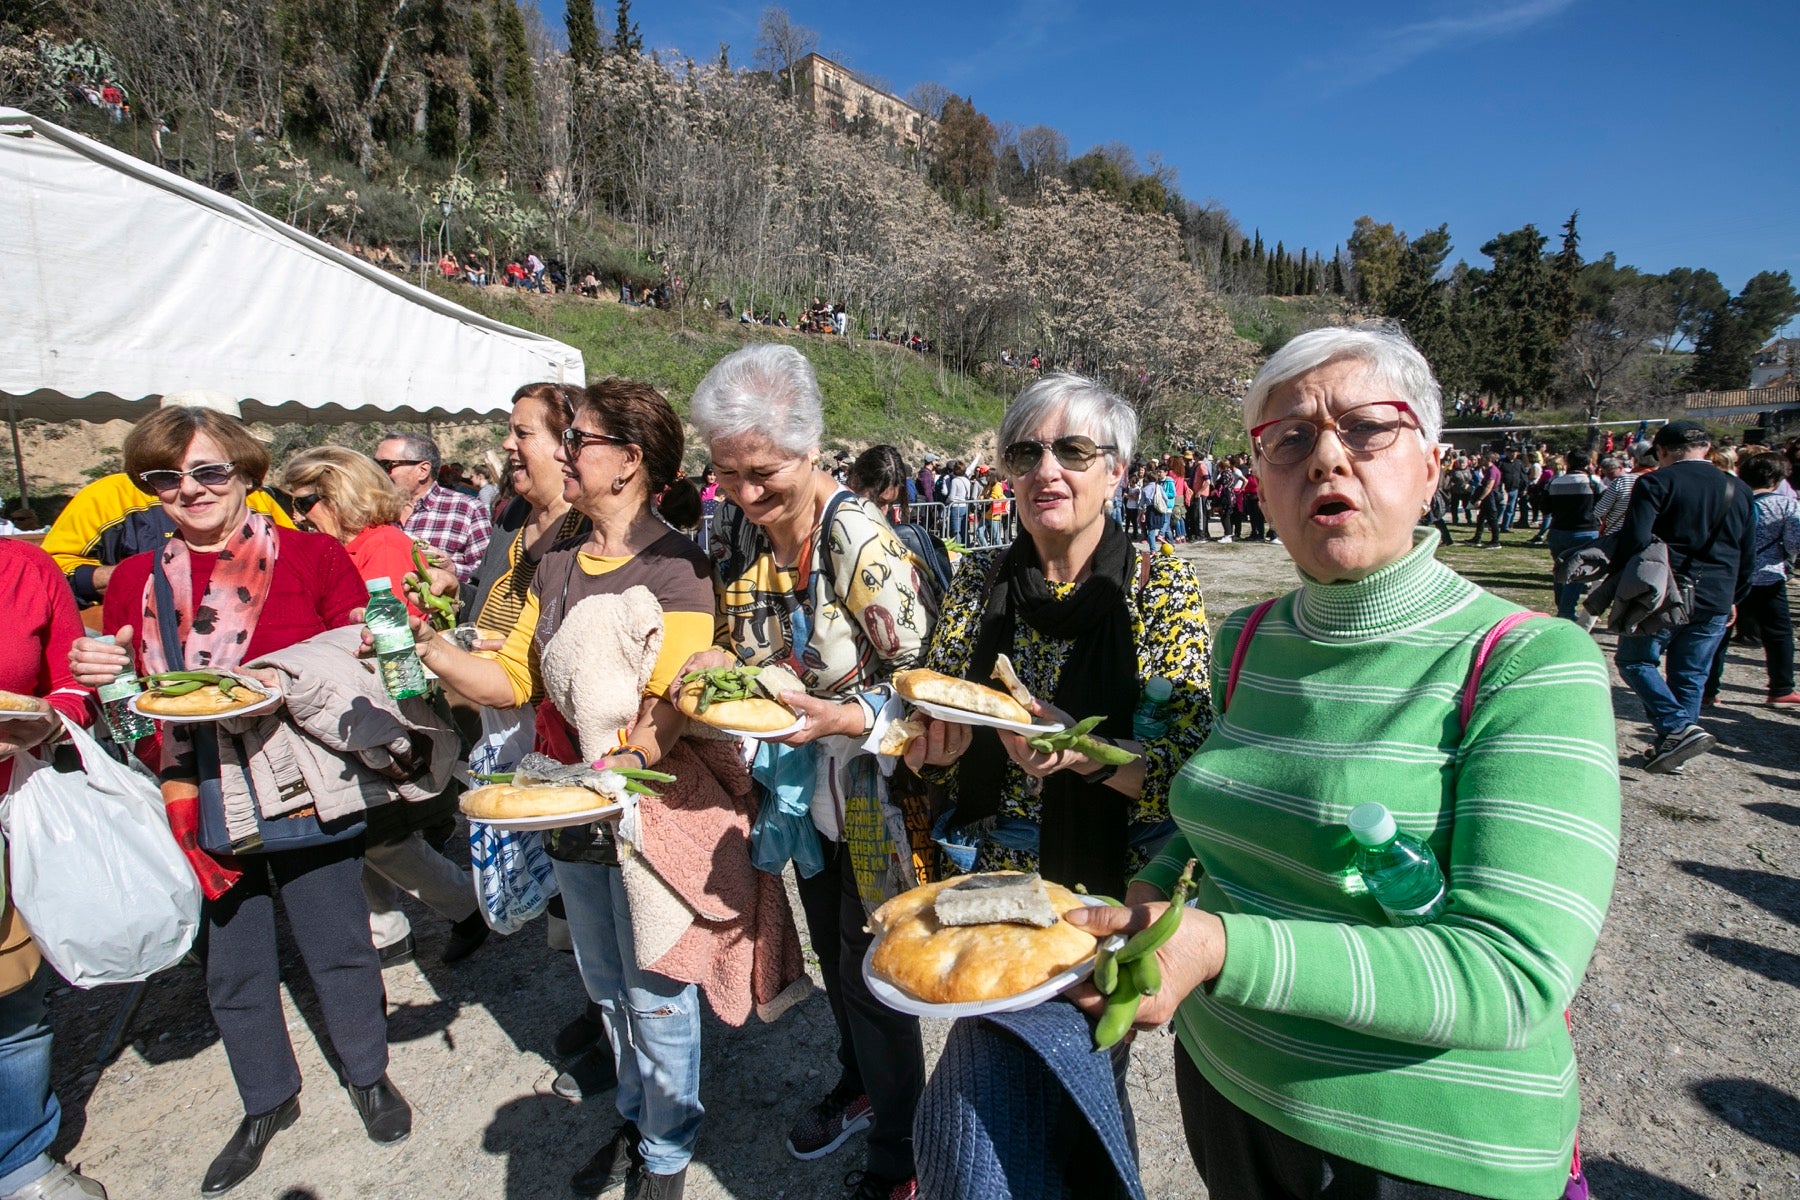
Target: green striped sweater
pixel 1436 1053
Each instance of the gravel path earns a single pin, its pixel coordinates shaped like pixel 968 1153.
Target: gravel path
pixel 1685 1025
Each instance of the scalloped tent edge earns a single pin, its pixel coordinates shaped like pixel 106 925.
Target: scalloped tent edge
pixel 120 282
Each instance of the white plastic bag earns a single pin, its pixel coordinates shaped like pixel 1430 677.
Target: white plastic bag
pixel 104 890
pixel 514 878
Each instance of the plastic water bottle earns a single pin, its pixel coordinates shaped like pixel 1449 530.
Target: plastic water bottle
pixel 125 724
pixel 397 658
pixel 1150 720
pixel 1400 871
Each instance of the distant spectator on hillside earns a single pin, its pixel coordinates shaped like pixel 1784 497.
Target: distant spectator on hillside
pixel 448 266
pixel 515 274
pixel 534 267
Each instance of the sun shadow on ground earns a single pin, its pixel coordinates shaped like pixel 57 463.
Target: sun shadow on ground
pixel 1788 814
pixel 1616 1181
pixel 1779 965
pixel 1766 1113
pixel 1777 894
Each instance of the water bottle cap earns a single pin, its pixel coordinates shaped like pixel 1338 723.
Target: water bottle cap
pixel 1372 824
pixel 381 583
pixel 1158 689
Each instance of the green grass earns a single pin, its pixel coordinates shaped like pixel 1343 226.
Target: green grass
pixel 873 392
pixel 1515 571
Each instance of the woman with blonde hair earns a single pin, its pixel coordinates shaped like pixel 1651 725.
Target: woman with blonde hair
pixel 348 496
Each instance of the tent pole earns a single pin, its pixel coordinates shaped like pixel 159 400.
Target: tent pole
pixel 12 419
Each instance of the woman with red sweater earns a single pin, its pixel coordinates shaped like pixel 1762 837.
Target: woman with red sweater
pixel 228 587
pixel 33 662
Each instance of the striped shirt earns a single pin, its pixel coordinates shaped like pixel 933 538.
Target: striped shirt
pixel 1436 1053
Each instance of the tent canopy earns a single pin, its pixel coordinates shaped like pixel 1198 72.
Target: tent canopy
pixel 120 282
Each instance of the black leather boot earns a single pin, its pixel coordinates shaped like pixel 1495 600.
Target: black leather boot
pixel 243 1153
pixel 663 1187
pixel 384 1111
pixel 614 1164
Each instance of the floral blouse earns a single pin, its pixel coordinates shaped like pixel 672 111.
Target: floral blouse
pixel 1168 623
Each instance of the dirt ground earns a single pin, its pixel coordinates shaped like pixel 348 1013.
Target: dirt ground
pixel 1685 1024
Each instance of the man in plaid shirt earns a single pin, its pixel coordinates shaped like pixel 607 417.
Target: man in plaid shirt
pixel 456 524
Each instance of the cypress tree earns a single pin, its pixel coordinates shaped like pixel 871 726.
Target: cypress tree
pixel 584 34
pixel 1256 255
pixel 626 38
pixel 1337 274
pixel 440 98
pixel 484 102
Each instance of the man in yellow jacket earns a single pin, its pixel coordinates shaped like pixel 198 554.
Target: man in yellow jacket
pixel 112 518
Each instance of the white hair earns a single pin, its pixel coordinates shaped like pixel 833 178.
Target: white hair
pixel 1086 406
pixel 1382 346
pixel 767 388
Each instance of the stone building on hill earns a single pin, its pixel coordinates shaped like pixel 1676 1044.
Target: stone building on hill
pixel 833 94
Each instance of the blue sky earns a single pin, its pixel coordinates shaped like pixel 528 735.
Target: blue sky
pixel 1671 126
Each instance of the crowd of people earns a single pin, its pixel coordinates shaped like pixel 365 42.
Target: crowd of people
pixel 1321 1048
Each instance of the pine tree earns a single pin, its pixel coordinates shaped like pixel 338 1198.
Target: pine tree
pixel 518 90
pixel 1256 255
pixel 441 41
pixel 584 33
pixel 1271 276
pixel 484 103
pixel 1567 267
pixel 626 38
pixel 1337 272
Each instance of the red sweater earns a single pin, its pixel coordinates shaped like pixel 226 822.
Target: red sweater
pixel 385 550
pixel 315 588
pixel 40 609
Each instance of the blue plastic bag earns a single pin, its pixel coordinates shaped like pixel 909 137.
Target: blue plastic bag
pixel 514 877
pixel 784 828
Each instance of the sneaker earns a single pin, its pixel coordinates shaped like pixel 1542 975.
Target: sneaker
pixel 581 1034
pixel 590 1074
pixel 60 1182
pixel 866 1185
pixel 1225 540
pixel 829 1123
pixel 1790 698
pixel 1677 748
pixel 612 1166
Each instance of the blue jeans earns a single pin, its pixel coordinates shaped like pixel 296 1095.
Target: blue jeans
pixel 1568 595
pixel 1157 527
pixel 652 1021
pixel 1673 705
pixel 29 1112
pixel 1509 508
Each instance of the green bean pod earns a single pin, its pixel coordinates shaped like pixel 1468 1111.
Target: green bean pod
pixel 1115 1022
pixel 1147 971
pixel 1106 972
pixel 1148 941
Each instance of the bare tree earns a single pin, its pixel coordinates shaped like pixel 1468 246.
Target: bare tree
pixel 1043 152
pixel 780 43
pixel 929 98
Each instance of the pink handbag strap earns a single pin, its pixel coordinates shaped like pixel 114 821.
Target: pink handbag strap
pixel 1482 652
pixel 1243 646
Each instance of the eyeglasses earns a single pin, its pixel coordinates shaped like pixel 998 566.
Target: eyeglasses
pixel 211 475
pixel 1361 430
pixel 1074 452
pixel 574 439
pixel 304 504
pixel 388 464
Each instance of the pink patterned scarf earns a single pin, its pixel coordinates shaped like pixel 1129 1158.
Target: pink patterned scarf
pixel 216 630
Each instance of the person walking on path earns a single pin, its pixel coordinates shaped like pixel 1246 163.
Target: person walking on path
pixel 1777 546
pixel 1487 501
pixel 1704 517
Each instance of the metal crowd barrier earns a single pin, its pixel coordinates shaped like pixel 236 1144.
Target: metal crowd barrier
pixel 977 523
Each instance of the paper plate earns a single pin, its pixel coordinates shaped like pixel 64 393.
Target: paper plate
pixel 962 716
pixel 19 714
pixel 271 701
pixel 586 816
pixel 1055 986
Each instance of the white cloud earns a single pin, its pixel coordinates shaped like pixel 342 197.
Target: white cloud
pixel 1386 51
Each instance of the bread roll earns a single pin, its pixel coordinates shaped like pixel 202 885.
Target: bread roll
pixel 13 702
pixel 505 801
pixel 937 688
pixel 952 964
pixel 203 701
pixel 755 715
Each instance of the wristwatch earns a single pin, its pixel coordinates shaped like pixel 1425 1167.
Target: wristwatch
pixel 1106 771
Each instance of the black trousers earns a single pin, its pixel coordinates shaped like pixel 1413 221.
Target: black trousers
pixel 1488 516
pixel 1766 610
pixel 880 1049
pixel 1242 1158
pixel 321 890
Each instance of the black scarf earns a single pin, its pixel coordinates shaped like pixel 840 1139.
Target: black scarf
pixel 1083 828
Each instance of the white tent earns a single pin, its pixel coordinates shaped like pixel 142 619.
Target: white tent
pixel 120 281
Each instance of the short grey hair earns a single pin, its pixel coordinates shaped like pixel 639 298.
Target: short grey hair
pixel 767 388
pixel 1381 345
pixel 1087 406
pixel 418 446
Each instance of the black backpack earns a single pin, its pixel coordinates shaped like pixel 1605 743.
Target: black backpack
pixel 929 549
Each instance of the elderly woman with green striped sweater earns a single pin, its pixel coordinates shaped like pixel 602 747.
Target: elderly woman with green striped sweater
pixel 1322 1050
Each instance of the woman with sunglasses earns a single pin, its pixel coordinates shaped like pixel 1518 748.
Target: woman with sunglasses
pixel 814 579
pixel 1323 1046
pixel 619 461
pixel 1087 624
pixel 345 495
pixel 230 586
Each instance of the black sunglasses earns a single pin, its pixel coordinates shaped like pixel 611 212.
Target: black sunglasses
pixel 304 504
pixel 1074 452
pixel 388 464
pixel 574 439
pixel 210 475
